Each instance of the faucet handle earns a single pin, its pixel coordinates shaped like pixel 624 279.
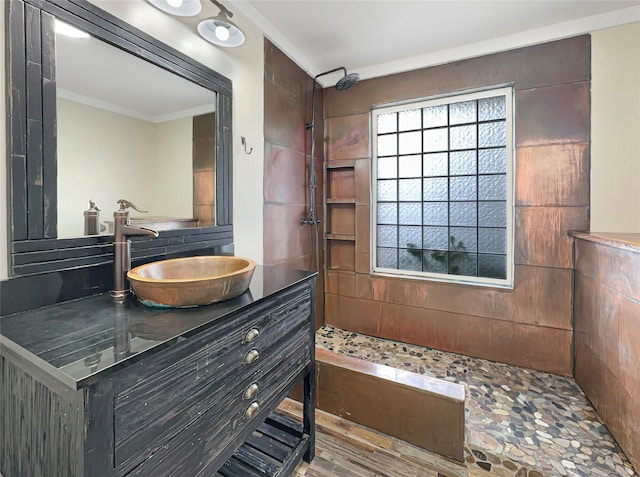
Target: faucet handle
pixel 125 204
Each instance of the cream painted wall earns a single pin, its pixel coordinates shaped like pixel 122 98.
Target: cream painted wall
pixel 615 129
pixel 244 66
pixel 107 156
pixel 172 169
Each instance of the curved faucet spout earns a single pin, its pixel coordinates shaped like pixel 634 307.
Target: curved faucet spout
pixel 122 250
pixel 131 231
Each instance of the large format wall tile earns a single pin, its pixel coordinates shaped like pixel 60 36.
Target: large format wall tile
pixel 343 283
pixel 603 263
pixel 363 181
pixel 629 347
pixel 542 297
pixel 281 71
pixel 627 432
pixel 556 175
pixel 514 343
pixel 352 314
pixel 363 286
pixel 363 229
pixel 285 118
pixel 204 173
pixel 598 311
pixel 542 235
pixel 555 62
pixel 347 137
pixel 204 188
pixel 534 347
pixel 553 115
pixel 558 62
pixel 285 164
pixel 598 383
pixel 607 323
pixel 284 237
pixel 436 329
pixel 490 303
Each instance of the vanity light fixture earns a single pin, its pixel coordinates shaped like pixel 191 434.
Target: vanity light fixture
pixel 180 8
pixel 220 30
pixel 65 29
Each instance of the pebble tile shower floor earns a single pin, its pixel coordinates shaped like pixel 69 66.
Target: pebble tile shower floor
pixel 519 422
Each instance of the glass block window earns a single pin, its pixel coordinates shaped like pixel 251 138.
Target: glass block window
pixel 442 188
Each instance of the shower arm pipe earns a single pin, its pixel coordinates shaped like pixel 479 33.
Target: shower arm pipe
pixel 313 94
pixel 313 181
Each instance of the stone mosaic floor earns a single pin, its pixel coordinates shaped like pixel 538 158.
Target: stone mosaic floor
pixel 519 422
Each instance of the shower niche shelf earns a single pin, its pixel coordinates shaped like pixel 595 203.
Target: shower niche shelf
pixel 344 237
pixel 341 201
pixel 341 164
pixel 341 183
pixel 340 212
pixel 341 255
pixel 341 219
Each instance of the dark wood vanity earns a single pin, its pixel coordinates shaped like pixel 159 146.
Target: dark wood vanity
pixel 90 388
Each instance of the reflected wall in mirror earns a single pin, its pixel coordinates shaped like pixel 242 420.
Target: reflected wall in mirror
pixel 130 129
pixel 35 127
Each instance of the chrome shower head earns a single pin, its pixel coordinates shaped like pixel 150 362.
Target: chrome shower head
pixel 347 81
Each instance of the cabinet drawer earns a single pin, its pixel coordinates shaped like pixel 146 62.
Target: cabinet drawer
pixel 265 336
pixel 152 411
pixel 223 423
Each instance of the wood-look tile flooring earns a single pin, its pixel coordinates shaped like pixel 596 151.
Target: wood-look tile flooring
pixel 346 449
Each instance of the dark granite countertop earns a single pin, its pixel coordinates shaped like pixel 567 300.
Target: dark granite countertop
pixel 625 241
pixel 78 341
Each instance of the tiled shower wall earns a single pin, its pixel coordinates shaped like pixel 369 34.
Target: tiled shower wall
pixel 287 158
pixel 607 321
pixel 530 325
pixel 204 169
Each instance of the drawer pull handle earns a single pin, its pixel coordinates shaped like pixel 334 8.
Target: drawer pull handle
pixel 251 391
pixel 251 335
pixel 251 356
pixel 252 409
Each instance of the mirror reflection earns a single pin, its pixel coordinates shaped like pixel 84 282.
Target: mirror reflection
pixel 129 129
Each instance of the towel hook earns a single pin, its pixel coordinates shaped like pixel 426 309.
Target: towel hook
pixel 243 140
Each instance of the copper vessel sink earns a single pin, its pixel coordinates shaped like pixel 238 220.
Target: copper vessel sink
pixel 191 281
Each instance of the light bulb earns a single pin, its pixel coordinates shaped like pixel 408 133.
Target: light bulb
pixel 180 8
pixel 222 33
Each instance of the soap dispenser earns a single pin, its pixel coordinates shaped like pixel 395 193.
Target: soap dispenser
pixel 92 219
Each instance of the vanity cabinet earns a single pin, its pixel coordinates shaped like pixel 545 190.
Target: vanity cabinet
pixel 176 392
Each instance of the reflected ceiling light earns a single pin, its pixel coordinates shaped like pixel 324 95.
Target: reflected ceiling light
pixel 180 8
pixel 219 30
pixel 65 29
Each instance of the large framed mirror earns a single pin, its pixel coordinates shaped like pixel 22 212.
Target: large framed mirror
pixel 116 114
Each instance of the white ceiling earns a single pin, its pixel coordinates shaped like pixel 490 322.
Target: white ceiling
pixel 92 72
pixel 377 37
pixel 370 37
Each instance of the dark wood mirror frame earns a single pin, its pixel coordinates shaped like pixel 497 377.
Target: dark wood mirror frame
pixel 31 139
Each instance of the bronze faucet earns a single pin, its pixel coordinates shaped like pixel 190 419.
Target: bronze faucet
pixel 122 230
